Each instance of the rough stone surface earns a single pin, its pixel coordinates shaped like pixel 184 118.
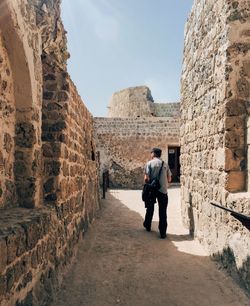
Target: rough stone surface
pixel 167 110
pixel 132 102
pixel 47 155
pixel 124 146
pixel 135 102
pixel 7 123
pixel 135 125
pixel 214 129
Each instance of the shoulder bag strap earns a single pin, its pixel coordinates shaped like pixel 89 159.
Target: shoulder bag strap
pixel 159 175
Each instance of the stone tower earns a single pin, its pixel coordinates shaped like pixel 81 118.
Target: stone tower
pixel 132 102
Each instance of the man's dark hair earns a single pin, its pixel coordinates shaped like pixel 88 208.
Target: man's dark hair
pixel 156 151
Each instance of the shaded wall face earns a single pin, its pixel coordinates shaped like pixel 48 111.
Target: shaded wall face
pixel 215 91
pixel 21 45
pixel 54 172
pixel 70 168
pixel 125 144
pixel 7 123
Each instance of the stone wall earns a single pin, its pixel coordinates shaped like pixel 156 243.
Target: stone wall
pixel 7 123
pixel 131 102
pixel 70 168
pixel 166 110
pixel 47 155
pixel 135 102
pixel 20 49
pixel 124 145
pixel 135 125
pixel 214 110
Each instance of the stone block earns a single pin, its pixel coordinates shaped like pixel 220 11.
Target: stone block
pixel 34 232
pixel 51 197
pixel 8 142
pixel 50 86
pixel 26 188
pixel 50 77
pixel 48 136
pixel 54 127
pixel 52 168
pixel 3 285
pixel 3 254
pixel 19 155
pixel 34 259
pixel 233 160
pixel 27 278
pixel 20 168
pixel 19 269
pixel 243 87
pixel 21 238
pixel 10 277
pixel 12 245
pixel 65 86
pixel 51 149
pixel 62 96
pixel 28 301
pixel 235 181
pixel 25 134
pixel 53 106
pixel 235 123
pixel 233 139
pixel 246 68
pixel 58 126
pixel 235 107
pixel 27 203
pixel 49 185
pixel 48 95
pixel 220 158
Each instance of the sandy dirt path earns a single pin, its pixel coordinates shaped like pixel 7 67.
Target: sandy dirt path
pixel 119 263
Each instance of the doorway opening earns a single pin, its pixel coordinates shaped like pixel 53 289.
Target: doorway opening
pixel 174 163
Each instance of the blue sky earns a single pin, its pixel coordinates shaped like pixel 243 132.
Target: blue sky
pixel 115 44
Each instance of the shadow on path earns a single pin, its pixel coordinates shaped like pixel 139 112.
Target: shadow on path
pixel 173 237
pixel 119 263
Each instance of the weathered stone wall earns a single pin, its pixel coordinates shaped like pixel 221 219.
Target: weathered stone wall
pixel 132 102
pixel 135 102
pixel 70 169
pixel 215 96
pixel 166 110
pixel 51 154
pixel 124 145
pixel 124 141
pixel 7 123
pixel 21 47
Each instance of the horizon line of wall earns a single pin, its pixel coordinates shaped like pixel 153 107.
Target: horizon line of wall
pixel 134 102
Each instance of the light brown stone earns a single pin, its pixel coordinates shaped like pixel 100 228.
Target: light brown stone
pixel 235 181
pixel 46 130
pixel 215 129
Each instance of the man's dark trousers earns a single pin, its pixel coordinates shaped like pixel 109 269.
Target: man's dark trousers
pixel 162 203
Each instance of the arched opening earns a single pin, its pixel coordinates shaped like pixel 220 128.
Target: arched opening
pixel 26 122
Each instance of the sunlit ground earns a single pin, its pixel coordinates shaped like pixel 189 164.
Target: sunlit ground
pixel 176 231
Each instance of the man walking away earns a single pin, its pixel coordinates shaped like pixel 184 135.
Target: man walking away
pixel 152 171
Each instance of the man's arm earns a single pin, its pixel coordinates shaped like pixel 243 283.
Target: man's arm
pixel 146 178
pixel 169 175
pixel 146 173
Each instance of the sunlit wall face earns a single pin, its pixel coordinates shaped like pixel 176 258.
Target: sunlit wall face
pixel 116 44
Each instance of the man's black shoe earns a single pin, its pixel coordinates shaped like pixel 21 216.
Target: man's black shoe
pixel 148 228
pixel 163 236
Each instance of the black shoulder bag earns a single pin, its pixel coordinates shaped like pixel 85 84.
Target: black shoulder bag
pixel 150 189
